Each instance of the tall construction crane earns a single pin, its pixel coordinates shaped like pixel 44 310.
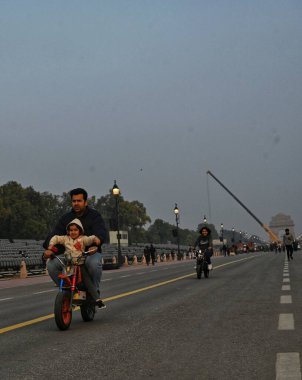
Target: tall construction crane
pixel 272 236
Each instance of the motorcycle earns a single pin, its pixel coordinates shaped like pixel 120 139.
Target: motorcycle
pixel 72 294
pixel 201 264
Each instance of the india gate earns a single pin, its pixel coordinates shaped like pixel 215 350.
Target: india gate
pixel 281 221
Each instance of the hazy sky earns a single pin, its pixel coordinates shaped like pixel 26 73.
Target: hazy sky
pixel 93 91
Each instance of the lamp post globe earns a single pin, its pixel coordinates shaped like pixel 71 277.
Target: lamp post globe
pixel 116 190
pixel 176 210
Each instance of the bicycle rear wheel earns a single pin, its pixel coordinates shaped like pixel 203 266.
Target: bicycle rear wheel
pixel 87 311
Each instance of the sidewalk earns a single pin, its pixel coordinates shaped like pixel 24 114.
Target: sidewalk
pixel 31 280
pixel 40 279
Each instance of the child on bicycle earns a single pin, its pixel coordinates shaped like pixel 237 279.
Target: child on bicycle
pixel 75 242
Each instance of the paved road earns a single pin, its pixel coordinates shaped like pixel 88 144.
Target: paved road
pixel 244 322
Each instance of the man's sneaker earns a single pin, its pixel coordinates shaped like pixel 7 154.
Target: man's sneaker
pixel 100 304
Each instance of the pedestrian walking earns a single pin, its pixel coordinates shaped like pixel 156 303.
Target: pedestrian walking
pixel 147 254
pixel 172 254
pixel 152 253
pixel 288 241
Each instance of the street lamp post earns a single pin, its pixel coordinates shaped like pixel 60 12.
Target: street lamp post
pixel 221 231
pixel 116 193
pixel 221 239
pixel 176 212
pixel 233 235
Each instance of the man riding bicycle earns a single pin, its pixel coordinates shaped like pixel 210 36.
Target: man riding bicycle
pixel 93 224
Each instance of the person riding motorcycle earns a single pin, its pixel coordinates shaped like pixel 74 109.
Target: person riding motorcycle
pixel 204 242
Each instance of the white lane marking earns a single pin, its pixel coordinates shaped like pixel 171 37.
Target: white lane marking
pixel 286 299
pixel 107 279
pixel 285 275
pixel 288 366
pixel 286 280
pixel 285 287
pixel 46 291
pixel 126 275
pixel 6 299
pixel 286 322
pixel 139 273
pixel 154 270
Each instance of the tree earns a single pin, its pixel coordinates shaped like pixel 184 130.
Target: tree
pixel 21 212
pixel 106 206
pixel 132 216
pixel 50 209
pixel 187 237
pixel 28 214
pixel 160 232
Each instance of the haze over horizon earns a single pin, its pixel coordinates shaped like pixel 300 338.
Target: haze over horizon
pixel 154 94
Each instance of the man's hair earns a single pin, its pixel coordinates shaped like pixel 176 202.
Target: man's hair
pixel 78 191
pixel 205 228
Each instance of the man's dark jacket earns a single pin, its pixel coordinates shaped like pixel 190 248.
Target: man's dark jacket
pixel 91 220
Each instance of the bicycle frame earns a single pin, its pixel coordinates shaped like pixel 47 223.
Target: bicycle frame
pixel 70 277
pixel 71 295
